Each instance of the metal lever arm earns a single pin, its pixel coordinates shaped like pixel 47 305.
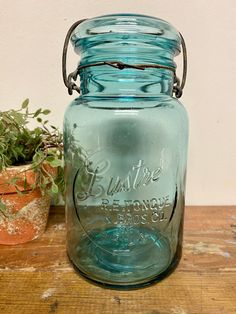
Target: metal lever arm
pixel 68 78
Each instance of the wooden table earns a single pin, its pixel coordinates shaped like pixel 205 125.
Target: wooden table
pixel 37 277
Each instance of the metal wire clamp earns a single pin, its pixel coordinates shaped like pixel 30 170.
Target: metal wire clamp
pixel 69 80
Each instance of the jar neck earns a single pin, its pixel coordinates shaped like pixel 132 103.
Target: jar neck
pixel 131 39
pixel 104 81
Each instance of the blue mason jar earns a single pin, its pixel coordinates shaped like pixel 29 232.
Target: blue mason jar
pixel 125 140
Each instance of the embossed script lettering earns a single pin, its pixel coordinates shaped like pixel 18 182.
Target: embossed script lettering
pixel 139 175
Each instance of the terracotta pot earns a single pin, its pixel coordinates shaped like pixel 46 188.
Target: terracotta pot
pixel 26 215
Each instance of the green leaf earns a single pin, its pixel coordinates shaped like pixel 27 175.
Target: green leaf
pixel 19 119
pixel 37 112
pixel 56 163
pixel 25 103
pixel 37 131
pixel 39 120
pixel 25 183
pixel 50 158
pixel 54 188
pixel 38 157
pixel 46 111
pixel 6 119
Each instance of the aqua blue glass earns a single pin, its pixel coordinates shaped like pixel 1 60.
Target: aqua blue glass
pixel 125 139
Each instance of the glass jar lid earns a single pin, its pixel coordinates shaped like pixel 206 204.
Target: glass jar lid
pixel 128 27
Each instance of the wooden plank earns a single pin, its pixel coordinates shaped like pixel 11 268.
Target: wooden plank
pixel 37 277
pixel 180 293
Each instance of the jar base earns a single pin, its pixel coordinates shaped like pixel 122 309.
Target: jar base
pixel 125 271
pixel 145 284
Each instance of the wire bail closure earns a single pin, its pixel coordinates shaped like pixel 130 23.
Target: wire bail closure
pixel 69 80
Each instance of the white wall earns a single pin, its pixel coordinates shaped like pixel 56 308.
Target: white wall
pixel 32 35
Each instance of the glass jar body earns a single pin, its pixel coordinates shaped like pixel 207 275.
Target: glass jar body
pixel 125 161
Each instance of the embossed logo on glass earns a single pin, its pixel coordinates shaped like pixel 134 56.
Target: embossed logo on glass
pixel 139 175
pixel 126 200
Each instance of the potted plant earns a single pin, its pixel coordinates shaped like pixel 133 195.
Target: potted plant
pixel 31 172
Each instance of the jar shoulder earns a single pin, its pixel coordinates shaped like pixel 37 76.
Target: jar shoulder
pixel 89 109
pixel 127 103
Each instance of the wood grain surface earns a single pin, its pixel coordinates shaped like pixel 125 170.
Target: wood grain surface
pixel 37 278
